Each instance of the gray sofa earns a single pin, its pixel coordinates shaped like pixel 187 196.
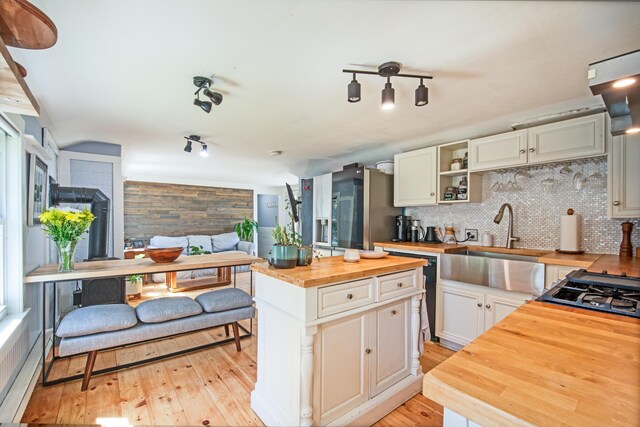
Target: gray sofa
pixel 226 242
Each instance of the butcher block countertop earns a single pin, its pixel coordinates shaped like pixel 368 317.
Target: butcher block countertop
pixel 545 365
pixel 593 262
pixel 335 269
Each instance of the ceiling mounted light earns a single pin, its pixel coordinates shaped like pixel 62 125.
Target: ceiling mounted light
pixel 353 91
pixel 388 70
pixel 203 84
pixel 204 152
pixel 422 95
pixel 623 83
pixel 205 105
pixel 388 96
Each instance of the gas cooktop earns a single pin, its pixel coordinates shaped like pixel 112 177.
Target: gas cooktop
pixel 597 291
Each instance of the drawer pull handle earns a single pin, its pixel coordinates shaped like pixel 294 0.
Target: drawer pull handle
pixel 399 284
pixel 349 296
pixel 480 304
pixel 393 312
pixel 488 306
pixel 368 351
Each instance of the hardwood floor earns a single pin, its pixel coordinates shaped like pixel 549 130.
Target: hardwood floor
pixel 209 387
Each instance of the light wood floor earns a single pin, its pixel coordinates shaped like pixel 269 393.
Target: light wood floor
pixel 209 387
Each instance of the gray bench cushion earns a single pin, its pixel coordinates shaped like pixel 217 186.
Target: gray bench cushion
pixel 97 318
pixel 167 308
pixel 149 331
pixel 224 299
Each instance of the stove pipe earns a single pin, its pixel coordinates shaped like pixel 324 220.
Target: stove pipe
pixel 99 208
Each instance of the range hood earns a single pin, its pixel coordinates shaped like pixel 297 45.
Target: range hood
pixel 617 79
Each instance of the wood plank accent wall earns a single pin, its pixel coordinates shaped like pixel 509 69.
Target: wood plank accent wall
pixel 152 209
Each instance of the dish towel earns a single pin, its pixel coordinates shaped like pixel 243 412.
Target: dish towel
pixel 425 332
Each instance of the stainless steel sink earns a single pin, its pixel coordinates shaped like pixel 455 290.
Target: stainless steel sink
pixel 516 273
pixel 511 257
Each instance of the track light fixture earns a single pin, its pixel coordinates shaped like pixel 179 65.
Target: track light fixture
pixel 204 152
pixel 203 84
pixel 388 70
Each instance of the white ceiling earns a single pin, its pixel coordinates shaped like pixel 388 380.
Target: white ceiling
pixel 122 71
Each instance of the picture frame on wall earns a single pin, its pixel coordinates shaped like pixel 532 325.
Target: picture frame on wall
pixel 38 186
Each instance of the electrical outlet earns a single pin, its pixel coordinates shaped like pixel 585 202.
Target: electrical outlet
pixel 471 234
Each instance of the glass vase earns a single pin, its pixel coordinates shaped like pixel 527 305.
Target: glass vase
pixel 65 255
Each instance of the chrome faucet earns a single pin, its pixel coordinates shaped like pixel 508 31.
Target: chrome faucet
pixel 498 218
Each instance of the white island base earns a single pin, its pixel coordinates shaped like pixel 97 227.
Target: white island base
pixel 339 353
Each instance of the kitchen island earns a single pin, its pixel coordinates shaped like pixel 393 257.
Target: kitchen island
pixel 544 365
pixel 338 342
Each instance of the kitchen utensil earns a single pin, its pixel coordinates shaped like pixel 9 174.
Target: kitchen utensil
pixel 626 248
pixel 373 254
pixel 579 180
pixel 351 255
pixel 431 236
pixel 596 181
pixel 449 235
pixel 416 232
pixel 570 233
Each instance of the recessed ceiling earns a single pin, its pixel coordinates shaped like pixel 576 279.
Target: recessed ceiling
pixel 122 72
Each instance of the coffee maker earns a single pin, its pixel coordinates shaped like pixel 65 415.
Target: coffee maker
pixel 416 232
pixel 402 228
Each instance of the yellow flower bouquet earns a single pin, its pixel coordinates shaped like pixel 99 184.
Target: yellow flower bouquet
pixel 65 227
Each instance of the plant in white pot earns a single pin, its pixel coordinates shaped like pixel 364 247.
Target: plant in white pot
pixel 134 286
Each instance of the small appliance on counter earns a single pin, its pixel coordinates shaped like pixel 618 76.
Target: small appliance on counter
pixel 402 228
pixel 416 232
pixel 597 291
pixel 432 235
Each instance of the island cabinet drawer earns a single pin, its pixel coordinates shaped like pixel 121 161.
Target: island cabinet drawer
pixel 393 285
pixel 338 298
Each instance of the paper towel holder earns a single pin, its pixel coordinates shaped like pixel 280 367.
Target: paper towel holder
pixel 569 212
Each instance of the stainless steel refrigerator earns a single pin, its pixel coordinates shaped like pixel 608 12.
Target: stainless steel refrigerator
pixel 362 210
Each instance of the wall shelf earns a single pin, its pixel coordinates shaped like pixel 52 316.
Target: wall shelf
pixel 452 178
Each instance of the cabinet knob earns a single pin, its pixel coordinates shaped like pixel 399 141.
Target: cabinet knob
pixel 531 150
pixel 393 312
pixel 432 194
pixel 368 351
pixel 399 284
pixel 488 305
pixel 349 296
pixel 523 151
pixel 480 304
pixel 616 203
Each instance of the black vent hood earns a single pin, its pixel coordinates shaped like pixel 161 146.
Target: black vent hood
pixel 617 79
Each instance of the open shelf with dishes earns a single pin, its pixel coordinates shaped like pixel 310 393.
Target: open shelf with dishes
pixel 454 175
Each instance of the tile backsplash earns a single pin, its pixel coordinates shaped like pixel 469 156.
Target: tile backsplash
pixel 536 212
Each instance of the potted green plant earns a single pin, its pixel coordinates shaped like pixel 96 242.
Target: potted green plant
pixel 246 229
pixel 284 253
pixel 133 286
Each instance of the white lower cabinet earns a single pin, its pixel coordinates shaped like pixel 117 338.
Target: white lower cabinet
pixel 354 358
pixel 340 354
pixel 464 312
pixel 553 273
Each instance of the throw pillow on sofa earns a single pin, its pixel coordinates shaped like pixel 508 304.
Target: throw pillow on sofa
pixel 224 242
pixel 201 241
pixel 170 242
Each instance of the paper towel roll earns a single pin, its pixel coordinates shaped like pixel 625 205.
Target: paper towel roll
pixel 570 233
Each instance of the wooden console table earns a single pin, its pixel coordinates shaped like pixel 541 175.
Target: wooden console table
pixel 48 274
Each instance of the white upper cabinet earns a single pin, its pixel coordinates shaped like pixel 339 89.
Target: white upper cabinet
pixel 322 196
pixel 498 151
pixel 569 139
pixel 415 178
pixel 624 176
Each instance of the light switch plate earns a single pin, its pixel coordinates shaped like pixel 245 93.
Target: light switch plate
pixel 472 233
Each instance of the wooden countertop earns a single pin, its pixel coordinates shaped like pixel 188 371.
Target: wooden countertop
pixel 127 267
pixel 423 247
pixel 583 260
pixel 617 265
pixel 545 365
pixel 335 269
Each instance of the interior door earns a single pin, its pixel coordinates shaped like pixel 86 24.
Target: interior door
pixel 389 359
